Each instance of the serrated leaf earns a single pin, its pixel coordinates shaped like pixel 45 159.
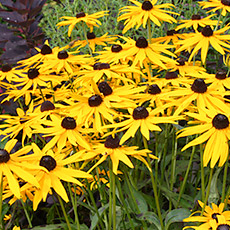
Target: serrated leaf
pixel 176 215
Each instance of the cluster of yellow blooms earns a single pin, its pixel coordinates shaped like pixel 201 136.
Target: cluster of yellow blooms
pixel 76 106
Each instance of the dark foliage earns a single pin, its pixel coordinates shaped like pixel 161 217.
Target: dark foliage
pixel 20 32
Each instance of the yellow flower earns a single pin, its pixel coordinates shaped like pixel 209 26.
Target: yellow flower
pixel 214 128
pixel 89 19
pixel 93 41
pixel 11 165
pixel 112 148
pixel 202 40
pixel 138 15
pixel 222 5
pixel 195 21
pixel 211 217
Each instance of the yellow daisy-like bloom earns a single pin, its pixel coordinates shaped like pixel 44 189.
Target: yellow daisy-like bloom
pixel 142 118
pixel 9 73
pixel 89 19
pixel 11 165
pixel 113 54
pixel 201 94
pixel 116 152
pixel 222 223
pixel 214 128
pixel 201 41
pixel 223 5
pixel 16 228
pixel 21 122
pixel 211 217
pixel 56 170
pixel 93 41
pixel 186 68
pixel 104 71
pixel 141 52
pixel 195 21
pixel 219 81
pixel 62 129
pixel 138 15
pixel 91 111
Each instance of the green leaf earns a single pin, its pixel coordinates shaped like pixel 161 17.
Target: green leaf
pixel 214 194
pixel 59 227
pixel 176 215
pixel 95 218
pixel 141 202
pixel 151 217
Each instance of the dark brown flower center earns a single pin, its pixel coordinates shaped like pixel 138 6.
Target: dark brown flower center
pixel 225 2
pixel 214 216
pixel 196 17
pixel 68 123
pixel 95 100
pixel 171 75
pixel 116 48
pixel 63 54
pixel 100 66
pixel 147 5
pixel 223 227
pixel 199 86
pixel 154 89
pixel 112 142
pixel 181 61
pixel 46 50
pixel 171 32
pixel 207 31
pixel 105 88
pixel 6 68
pixel 4 156
pixel 140 113
pixel 141 42
pixel 46 106
pixel 91 35
pixel 33 73
pixel 220 121
pixel 48 162
pixel 221 74
pixel 80 15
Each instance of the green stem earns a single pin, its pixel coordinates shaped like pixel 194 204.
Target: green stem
pixel 186 176
pixel 226 197
pixel 202 173
pixel 118 183
pixel 208 190
pixel 64 212
pixel 40 89
pixel 110 195
pixel 74 204
pixel 114 199
pixel 224 181
pixel 85 35
pixel 154 186
pixel 173 165
pixel 26 213
pixel 218 22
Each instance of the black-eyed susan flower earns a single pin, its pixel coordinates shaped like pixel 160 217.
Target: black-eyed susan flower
pixel 222 223
pixel 222 5
pixel 196 21
pixel 214 129
pixel 56 170
pixel 11 167
pixel 200 93
pixel 202 40
pixel 62 129
pixel 138 15
pixel 91 20
pixel 140 117
pixel 9 73
pixel 142 52
pixel 112 148
pixel 104 71
pixel 183 67
pixel 210 217
pixel 93 40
